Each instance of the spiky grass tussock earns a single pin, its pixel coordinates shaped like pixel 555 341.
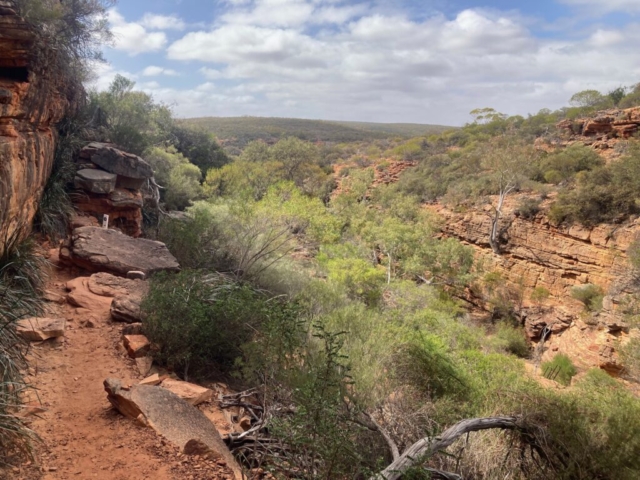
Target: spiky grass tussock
pixel 21 280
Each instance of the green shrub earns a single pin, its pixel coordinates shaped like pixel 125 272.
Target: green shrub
pixel 566 163
pixel 540 295
pixel 560 369
pixel 605 194
pixel 426 364
pixel 512 339
pixel 590 295
pixel 553 176
pixel 201 323
pixel 528 208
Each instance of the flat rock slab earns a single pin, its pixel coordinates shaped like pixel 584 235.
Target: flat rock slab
pixel 108 285
pixel 40 329
pixel 172 417
pixel 116 161
pixel 80 295
pixel 101 250
pixel 95 181
pixel 193 394
pixel 153 380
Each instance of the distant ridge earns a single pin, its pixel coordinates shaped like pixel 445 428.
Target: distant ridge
pixel 238 131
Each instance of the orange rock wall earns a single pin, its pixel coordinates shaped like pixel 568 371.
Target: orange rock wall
pixel 27 136
pixel 537 254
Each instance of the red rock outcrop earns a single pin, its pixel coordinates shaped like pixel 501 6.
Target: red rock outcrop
pixel 537 254
pixel 109 181
pixel 27 136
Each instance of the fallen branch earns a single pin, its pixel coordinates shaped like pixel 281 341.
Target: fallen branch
pixel 426 447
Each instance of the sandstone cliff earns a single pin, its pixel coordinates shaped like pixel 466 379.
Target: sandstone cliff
pixel 27 120
pixel 537 254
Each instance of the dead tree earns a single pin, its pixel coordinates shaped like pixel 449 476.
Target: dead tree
pixel 426 447
pixel 509 163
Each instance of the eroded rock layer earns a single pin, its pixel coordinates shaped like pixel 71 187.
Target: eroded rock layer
pixel 536 254
pixel 27 118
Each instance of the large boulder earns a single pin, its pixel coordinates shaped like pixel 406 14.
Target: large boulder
pixel 100 250
pixel 93 180
pixel 172 417
pixel 132 170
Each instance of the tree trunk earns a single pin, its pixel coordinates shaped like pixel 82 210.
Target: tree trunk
pixel 494 240
pixel 426 447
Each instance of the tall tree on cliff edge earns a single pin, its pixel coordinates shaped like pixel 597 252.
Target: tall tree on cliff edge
pixel 509 162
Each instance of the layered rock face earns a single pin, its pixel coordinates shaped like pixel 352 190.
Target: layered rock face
pixel 109 181
pixel 536 254
pixel 27 118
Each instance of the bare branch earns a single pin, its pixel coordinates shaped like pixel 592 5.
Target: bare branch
pixel 428 446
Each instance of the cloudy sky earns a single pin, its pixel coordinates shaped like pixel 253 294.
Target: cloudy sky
pixel 424 61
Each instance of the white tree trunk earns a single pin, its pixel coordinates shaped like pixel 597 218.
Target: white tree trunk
pixel 426 447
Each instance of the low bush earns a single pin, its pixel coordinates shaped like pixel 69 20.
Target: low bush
pixel 528 208
pixel 560 369
pixel 201 323
pixel 590 295
pixel 605 194
pixel 540 295
pixel 512 339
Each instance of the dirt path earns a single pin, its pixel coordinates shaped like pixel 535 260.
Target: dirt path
pixel 83 436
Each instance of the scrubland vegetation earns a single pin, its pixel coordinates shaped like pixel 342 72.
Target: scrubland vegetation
pixel 340 306
pixel 356 341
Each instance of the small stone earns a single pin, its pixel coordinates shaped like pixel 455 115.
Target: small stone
pixel 154 379
pixel 53 297
pixel 194 394
pixel 132 329
pixel 144 365
pixel 245 423
pixel 136 275
pixel 137 345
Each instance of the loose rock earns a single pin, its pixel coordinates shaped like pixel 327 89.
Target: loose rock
pixel 194 394
pixel 137 345
pixel 95 181
pixel 172 417
pixel 40 329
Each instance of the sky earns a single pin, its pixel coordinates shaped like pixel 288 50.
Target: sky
pixel 419 61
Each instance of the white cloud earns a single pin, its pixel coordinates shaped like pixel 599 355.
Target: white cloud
pixel 606 38
pixel 154 71
pixel 162 22
pixel 103 75
pixel 327 59
pixel 211 73
pixel 132 37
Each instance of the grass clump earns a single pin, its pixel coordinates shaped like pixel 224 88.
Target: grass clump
pixel 560 369
pixel 21 280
